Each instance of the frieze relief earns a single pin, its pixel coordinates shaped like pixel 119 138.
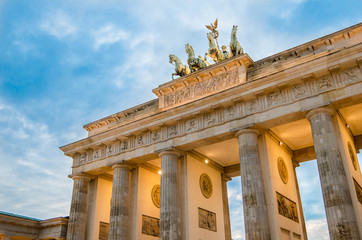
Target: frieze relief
pixel 150 226
pixel 201 89
pixel 223 114
pixel 358 189
pixel 207 220
pixel 287 207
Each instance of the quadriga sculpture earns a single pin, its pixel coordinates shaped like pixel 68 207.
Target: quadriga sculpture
pixel 194 63
pixel 235 47
pixel 180 69
pixel 214 52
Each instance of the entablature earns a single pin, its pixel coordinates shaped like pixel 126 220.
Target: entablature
pixel 250 103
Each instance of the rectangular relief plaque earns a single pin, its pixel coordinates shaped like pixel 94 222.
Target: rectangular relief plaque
pixel 150 226
pixel 103 230
pixel 287 207
pixel 358 189
pixel 207 220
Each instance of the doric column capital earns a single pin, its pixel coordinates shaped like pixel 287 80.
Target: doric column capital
pixel 318 110
pixel 248 130
pixel 170 152
pixel 225 178
pixel 121 165
pixel 81 176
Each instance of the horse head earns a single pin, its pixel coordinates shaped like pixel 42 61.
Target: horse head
pixel 235 28
pixel 172 58
pixel 189 48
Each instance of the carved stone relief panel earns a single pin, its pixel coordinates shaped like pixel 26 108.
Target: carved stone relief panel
pixel 150 226
pixel 350 75
pixel 206 185
pixel 325 82
pixel 191 125
pixel 230 112
pixel 287 207
pixel 251 106
pixel 140 140
pixel 202 89
pixel 274 98
pixel 109 150
pixel 103 231
pixel 156 195
pixel 124 145
pixel 96 154
pixel 283 170
pixel 209 119
pixel 172 131
pixel 352 156
pixel 156 135
pixel 358 189
pixel 207 220
pixel 299 90
pixel 83 158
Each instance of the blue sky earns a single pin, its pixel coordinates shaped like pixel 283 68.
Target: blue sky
pixel 66 63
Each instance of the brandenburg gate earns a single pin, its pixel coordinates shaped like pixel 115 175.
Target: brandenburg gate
pixel 160 170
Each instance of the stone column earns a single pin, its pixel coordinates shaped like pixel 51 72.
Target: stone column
pixel 78 208
pixel 302 220
pixel 254 201
pixel 169 209
pixel 120 206
pixel 225 202
pixel 341 219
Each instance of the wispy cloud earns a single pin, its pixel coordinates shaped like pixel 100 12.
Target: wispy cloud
pixel 32 171
pixel 109 34
pixel 59 25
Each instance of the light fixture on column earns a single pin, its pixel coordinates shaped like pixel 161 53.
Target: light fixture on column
pixel 347 125
pixel 206 161
pixel 159 172
pixel 281 143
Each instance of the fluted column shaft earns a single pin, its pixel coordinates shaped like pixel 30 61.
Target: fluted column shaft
pixel 254 202
pixel 78 209
pixel 225 201
pixel 119 218
pixel 341 219
pixel 169 209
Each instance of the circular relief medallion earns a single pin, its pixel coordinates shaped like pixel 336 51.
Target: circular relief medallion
pixel 283 171
pixel 156 195
pixel 352 155
pixel 206 185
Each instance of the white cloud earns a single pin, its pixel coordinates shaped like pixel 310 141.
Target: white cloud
pixel 33 169
pixel 59 25
pixel 109 34
pixel 317 229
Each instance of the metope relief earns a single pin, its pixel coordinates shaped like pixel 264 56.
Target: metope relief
pixel 150 226
pixel 209 119
pixel 206 185
pixel 349 75
pixel 287 207
pixel 325 83
pixel 172 130
pixel 299 90
pixel 283 170
pixel 156 135
pixel 156 195
pixel 207 220
pixel 201 89
pixel 124 145
pixel 191 125
pixel 352 156
pixel 358 189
